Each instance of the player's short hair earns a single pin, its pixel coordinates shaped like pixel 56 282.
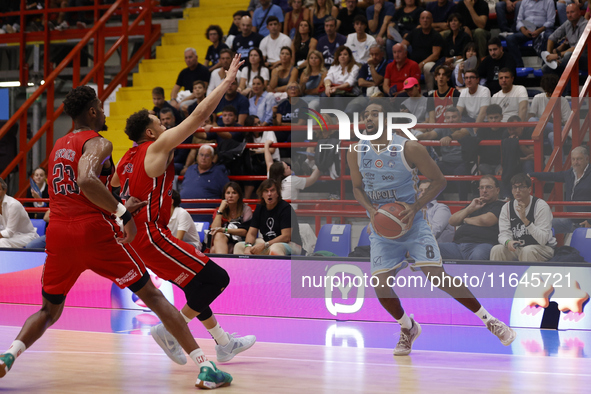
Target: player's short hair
pixel 266 185
pixel 158 91
pixel 176 198
pixel 272 18
pixel 3 185
pixel 79 100
pixel 166 110
pixel 230 108
pixel 494 109
pixel 492 178
pixel 137 124
pixel 522 179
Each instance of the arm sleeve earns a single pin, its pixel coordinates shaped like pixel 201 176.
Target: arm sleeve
pixel 550 14
pixel 352 78
pixel 558 34
pixel 440 219
pixel 541 228
pixel 504 225
pixel 263 47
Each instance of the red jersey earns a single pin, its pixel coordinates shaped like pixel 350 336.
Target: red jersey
pixel 135 182
pixel 65 199
pixel 441 102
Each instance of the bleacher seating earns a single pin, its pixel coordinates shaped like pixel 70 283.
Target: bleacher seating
pixel 201 227
pixel 39 225
pixel 581 241
pixel 335 238
pixel 363 237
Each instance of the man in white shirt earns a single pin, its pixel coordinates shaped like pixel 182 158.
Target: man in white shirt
pixel 16 229
pixel 360 42
pixel 181 224
pixel 217 76
pixel 511 98
pixel 525 226
pixel 272 44
pixel 474 100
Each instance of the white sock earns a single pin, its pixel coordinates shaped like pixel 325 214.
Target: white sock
pixel 219 335
pixel 405 321
pixel 484 315
pixel 200 359
pixel 17 348
pixel 185 317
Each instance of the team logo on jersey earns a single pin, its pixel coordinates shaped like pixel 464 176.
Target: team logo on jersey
pixel 391 163
pixel 129 168
pixel 369 175
pixel 393 154
pixel 367 163
pixel 379 163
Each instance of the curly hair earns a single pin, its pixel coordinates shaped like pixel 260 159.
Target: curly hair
pixel 137 124
pixel 79 100
pixel 217 29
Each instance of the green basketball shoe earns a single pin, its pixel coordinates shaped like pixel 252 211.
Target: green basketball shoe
pixel 212 378
pixel 6 361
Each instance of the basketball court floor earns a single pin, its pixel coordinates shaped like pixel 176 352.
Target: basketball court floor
pixel 110 351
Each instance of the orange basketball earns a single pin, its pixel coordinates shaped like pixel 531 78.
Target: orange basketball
pixel 388 221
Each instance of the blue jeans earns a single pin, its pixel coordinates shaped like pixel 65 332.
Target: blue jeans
pixel 467 251
pixel 501 8
pixel 37 243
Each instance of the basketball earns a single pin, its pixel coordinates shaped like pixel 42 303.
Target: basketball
pixel 388 221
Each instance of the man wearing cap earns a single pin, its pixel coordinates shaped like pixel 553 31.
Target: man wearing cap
pixel 416 104
pixel 399 70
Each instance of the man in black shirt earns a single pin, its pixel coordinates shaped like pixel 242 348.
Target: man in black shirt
pixel 160 103
pixel 489 157
pixel 370 78
pixel 277 223
pixel 475 16
pixel 195 71
pixel 244 42
pixel 495 61
pixel 346 16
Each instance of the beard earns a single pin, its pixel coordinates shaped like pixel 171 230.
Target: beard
pixel 105 127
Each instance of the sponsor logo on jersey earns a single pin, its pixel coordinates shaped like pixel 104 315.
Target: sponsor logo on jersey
pixel 382 194
pixel 67 154
pixel 367 163
pixel 379 163
pixel 127 278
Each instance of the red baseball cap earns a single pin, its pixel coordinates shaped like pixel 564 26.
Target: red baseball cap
pixel 409 83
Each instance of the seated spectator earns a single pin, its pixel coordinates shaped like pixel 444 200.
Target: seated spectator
pixel 416 103
pixel 180 155
pixel 261 102
pixel 212 58
pixel 312 78
pixel 525 226
pixel 288 110
pixel 229 118
pixel 515 158
pixel 502 8
pixel 399 70
pixel 235 27
pixel 455 41
pixel 160 103
pixel 219 74
pixel 459 70
pixel 231 221
pixel 195 139
pixel 253 5
pixel 256 160
pixel 442 97
pixel 303 44
pixel 442 10
pixel 181 224
pixel 495 61
pixel 62 24
pixel 562 9
pixel 427 47
pixel 474 17
pixel 405 19
pixel 236 100
pixel 283 74
pixel 39 243
pixel 513 99
pixel 199 91
pixel 272 44
pixel 359 42
pixel 438 216
pixel 16 229
pixel 195 71
pixel 277 223
pixel 474 100
pixel 294 17
pixel 320 11
pixel 255 67
pixel 379 16
pixel 341 79
pixel 38 189
pixel 369 79
pixel 489 156
pixel 246 41
pixel 577 187
pixel 346 17
pixel 263 13
pixel 331 41
pixel 452 162
pixel 478 223
pixel 535 21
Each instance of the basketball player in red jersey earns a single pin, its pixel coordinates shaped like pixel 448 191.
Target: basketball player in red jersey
pixel 84 234
pixel 146 171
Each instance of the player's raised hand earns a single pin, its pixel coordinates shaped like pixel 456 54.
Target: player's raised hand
pixel 234 67
pixel 129 232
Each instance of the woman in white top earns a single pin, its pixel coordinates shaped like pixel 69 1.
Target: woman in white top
pixel 181 224
pixel 261 103
pixel 231 222
pixel 342 75
pixel 252 69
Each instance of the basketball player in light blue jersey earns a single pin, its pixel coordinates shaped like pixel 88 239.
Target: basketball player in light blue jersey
pixel 383 172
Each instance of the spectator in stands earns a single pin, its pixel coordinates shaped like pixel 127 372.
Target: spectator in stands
pixel 248 40
pixel 399 70
pixel 341 79
pixel 261 102
pixel 427 47
pixel 253 5
pixel 312 78
pixel 16 229
pixel 218 75
pixel 198 139
pixel 474 17
pixel 195 71
pixel 10 24
pixel 235 29
pixel 39 243
pixel 577 187
pixel 229 115
pixel 535 21
pixel 379 16
pixel 231 221
pixel 262 14
pixel 255 67
pixel 406 18
pixel 256 160
pixel 78 18
pixel 62 24
pixel 452 162
pixel 160 103
pixel 474 100
pixel 442 97
pixel 456 41
pixel 288 110
pixel 416 103
pixel 502 8
pixel 199 90
pixel 329 43
pixel 303 44
pixel 38 189
pixel 214 34
pixel 181 224
pixel 478 223
pixel 321 10
pixel 277 223
pixel 271 45
pixel 489 156
pixel 284 73
pixel 359 42
pixel 294 17
pixel 515 158
pixel 469 51
pixel 495 61
pixel 180 155
pixel 562 42
pixel 525 226
pixel 370 78
pixel 513 99
pixel 442 11
pixel 346 18
pixel 166 117
pixel 438 216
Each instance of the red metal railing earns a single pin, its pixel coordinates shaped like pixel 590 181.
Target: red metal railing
pixel 98 32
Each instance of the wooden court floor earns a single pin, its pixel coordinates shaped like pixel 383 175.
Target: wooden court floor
pixel 88 362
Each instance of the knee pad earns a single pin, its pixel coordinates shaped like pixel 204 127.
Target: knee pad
pixel 205 314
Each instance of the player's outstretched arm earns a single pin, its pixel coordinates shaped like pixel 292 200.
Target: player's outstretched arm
pixel 176 135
